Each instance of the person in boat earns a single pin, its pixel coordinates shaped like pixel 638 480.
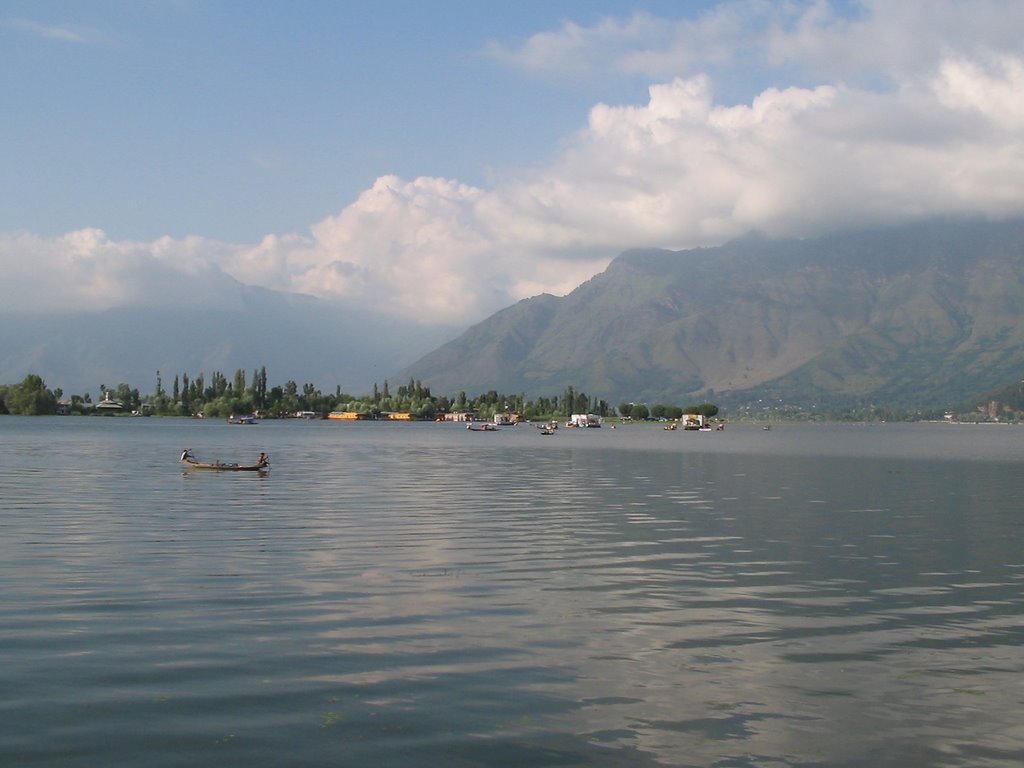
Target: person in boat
pixel 263 460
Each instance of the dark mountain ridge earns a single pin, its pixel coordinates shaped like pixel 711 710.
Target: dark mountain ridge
pixel 920 315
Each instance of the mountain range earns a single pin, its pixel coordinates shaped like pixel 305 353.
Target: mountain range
pixel 294 336
pixel 921 315
pixel 914 316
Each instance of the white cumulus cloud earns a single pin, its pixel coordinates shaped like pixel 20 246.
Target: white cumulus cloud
pixel 679 171
pixel 86 270
pixel 917 110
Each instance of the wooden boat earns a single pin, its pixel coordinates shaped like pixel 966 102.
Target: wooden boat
pixel 482 428
pixel 191 462
pixel 242 420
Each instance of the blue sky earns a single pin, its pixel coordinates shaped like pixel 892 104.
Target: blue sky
pixel 359 152
pixel 234 119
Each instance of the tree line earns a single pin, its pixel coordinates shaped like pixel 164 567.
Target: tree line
pixel 662 411
pixel 221 397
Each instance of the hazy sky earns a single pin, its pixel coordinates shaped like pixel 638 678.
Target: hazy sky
pixel 441 160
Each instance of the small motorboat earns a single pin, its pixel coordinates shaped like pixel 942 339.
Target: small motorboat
pixel 262 464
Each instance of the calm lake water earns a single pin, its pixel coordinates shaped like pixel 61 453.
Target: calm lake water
pixel 421 595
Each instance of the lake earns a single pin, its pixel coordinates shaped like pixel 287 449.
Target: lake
pixel 422 595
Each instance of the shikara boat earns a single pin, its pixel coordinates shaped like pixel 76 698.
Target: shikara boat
pixel 191 462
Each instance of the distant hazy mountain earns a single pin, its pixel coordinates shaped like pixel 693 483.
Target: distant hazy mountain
pixel 295 337
pixel 920 315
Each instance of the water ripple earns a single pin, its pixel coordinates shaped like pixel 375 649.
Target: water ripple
pixel 403 595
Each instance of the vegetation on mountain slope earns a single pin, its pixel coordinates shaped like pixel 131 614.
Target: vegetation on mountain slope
pixel 910 317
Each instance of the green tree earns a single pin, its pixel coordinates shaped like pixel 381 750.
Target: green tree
pixel 186 395
pixel 128 397
pixel 259 385
pixel 160 396
pixel 30 398
pixel 197 393
pixel 274 398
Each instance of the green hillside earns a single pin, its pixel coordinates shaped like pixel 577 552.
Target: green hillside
pixel 917 316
